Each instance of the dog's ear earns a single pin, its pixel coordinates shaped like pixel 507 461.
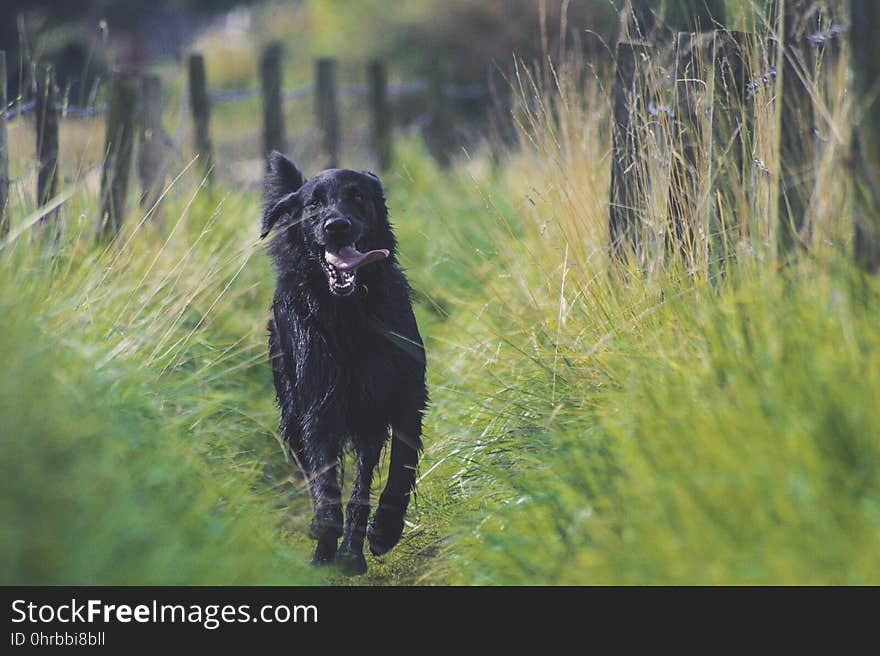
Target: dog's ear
pixel 284 172
pixel 280 197
pixel 378 192
pixel 290 204
pixel 375 179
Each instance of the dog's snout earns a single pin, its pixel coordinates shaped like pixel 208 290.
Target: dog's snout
pixel 337 226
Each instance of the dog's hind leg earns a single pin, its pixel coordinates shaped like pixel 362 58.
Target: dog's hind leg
pixel 406 445
pixel 351 552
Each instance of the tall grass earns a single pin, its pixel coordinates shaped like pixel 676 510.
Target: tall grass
pixel 131 415
pixel 658 423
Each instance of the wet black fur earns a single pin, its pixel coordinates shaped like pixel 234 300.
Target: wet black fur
pixel 347 369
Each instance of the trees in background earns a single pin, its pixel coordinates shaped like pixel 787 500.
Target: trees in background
pixel 73 35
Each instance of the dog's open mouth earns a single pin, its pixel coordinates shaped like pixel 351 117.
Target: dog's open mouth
pixel 341 266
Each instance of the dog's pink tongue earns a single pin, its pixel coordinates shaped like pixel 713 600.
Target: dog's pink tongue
pixel 348 258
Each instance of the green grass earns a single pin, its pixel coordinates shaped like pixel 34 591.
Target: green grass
pixel 589 423
pixel 641 432
pixel 138 410
pixel 129 443
pixel 712 438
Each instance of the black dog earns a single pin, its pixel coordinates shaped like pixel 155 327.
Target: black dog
pixel 345 349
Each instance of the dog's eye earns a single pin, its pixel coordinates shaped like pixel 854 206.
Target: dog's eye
pixel 357 197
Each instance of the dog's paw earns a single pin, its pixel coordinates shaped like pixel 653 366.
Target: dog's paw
pixel 385 529
pixel 351 562
pixel 325 552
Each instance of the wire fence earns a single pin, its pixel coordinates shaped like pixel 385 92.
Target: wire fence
pixel 65 110
pixel 18 108
pixel 416 87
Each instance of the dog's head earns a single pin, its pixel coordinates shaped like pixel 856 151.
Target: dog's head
pixel 336 221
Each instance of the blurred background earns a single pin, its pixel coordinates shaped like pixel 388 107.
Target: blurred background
pixel 470 46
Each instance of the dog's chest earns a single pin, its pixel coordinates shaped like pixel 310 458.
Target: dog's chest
pixel 352 370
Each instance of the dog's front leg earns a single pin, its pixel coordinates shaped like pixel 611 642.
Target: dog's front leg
pixel 406 445
pixel 351 552
pixel 322 460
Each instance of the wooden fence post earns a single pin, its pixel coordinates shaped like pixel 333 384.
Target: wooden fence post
pixel 4 152
pixel 440 134
pixel 47 141
pixel 627 171
pixel 502 125
pixel 271 86
pixel 201 109
pixel 827 40
pixel 377 80
pixel 696 15
pixel 327 110
pixel 691 147
pixel 732 126
pixel 639 21
pixel 796 155
pixel 119 146
pixel 865 62
pixel 731 80
pixel 151 147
